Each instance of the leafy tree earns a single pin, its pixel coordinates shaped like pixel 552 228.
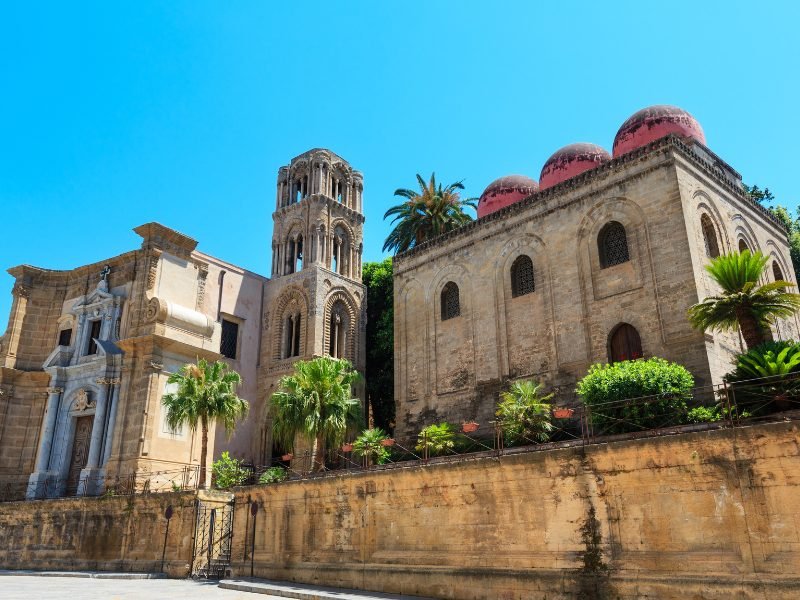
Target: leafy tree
pixel 524 413
pixel 316 402
pixel 758 194
pixel 425 214
pixel 765 378
pixel 377 276
pixel 437 439
pixel 661 390
pixel 228 472
pixel 743 303
pixel 368 445
pixel 793 229
pixel 206 393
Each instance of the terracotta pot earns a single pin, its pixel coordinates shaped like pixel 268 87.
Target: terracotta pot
pixel 287 456
pixel 563 413
pixel 347 447
pixel 469 427
pixel 387 442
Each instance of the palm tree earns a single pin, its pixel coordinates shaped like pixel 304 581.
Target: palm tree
pixel 316 402
pixel 743 303
pixel 524 414
pixel 423 215
pixel 206 393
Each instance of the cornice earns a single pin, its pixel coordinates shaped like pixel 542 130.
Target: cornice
pixel 670 142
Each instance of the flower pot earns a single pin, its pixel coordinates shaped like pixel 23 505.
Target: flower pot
pixel 288 456
pixel 387 442
pixel 563 413
pixel 469 427
pixel 347 447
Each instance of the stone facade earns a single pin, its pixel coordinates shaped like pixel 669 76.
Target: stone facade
pixel 453 368
pixel 87 353
pixel 709 514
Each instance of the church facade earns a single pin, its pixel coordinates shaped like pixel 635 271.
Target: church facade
pixel 87 352
pixel 596 262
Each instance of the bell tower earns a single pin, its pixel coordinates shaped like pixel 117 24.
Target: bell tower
pixel 315 303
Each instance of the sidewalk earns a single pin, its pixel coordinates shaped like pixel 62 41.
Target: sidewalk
pixel 301 591
pixel 85 574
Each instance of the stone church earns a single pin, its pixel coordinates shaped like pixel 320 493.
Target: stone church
pixel 87 352
pixel 597 261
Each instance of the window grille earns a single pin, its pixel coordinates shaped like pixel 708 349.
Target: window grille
pixel 230 337
pixel 613 245
pixel 522 277
pixel 450 302
pixel 709 236
pixel 65 337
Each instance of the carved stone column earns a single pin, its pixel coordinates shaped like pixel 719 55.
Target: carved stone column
pixel 95 446
pixel 112 418
pixel 46 441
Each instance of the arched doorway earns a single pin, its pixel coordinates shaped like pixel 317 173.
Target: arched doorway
pixel 624 343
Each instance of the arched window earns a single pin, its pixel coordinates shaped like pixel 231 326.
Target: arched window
pixel 291 332
pixel 710 237
pixel 338 328
pixel 450 302
pixel 612 243
pixel 624 343
pixel 776 271
pixel 743 246
pixel 522 276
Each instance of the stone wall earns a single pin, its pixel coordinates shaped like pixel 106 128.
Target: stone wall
pixel 101 534
pixel 702 515
pixel 709 515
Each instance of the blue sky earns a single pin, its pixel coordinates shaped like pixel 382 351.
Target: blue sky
pixel 116 114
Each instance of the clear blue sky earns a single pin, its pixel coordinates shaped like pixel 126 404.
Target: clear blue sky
pixel 115 114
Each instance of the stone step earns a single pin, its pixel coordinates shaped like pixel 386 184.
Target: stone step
pixel 87 574
pixel 302 591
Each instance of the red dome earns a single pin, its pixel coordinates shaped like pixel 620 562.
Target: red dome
pixel 654 122
pixel 505 191
pixel 570 161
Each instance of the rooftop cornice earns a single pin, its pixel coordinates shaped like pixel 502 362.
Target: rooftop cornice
pixel 671 141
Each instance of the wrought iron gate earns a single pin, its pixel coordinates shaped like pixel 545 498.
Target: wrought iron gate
pixel 212 540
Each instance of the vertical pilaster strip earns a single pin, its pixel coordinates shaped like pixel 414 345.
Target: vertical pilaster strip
pixel 46 441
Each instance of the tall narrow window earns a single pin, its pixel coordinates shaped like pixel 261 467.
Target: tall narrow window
pixel 612 244
pixel 522 276
pixel 624 344
pixel 230 339
pixel 94 334
pixel 709 236
pixel 451 306
pixel 776 271
pixel 296 337
pixel 65 337
pixel 743 246
pixel 298 254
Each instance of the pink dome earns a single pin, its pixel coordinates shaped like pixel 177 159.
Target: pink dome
pixel 654 122
pixel 505 191
pixel 570 161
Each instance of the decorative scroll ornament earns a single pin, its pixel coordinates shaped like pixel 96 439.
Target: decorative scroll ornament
pixel 21 290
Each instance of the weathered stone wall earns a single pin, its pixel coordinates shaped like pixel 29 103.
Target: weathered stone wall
pixel 102 534
pixel 709 515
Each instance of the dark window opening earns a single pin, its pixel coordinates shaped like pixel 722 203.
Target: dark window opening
pixel 522 277
pixel 230 337
pixel 776 271
pixel 624 344
pixel 743 246
pixel 612 244
pixel 709 236
pixel 65 337
pixel 451 306
pixel 94 334
pixel 296 339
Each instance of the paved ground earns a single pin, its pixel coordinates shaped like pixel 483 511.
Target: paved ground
pixel 51 588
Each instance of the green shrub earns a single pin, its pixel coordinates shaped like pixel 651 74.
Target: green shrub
pixel 777 367
pixel 704 414
pixel 524 414
pixel 228 472
pixel 437 439
pixel 368 445
pixel 273 475
pixel 667 385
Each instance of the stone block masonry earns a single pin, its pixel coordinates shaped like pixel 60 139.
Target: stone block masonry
pixel 701 515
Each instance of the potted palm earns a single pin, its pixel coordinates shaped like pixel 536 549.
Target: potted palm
pixel 563 413
pixel 370 446
pixel 470 427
